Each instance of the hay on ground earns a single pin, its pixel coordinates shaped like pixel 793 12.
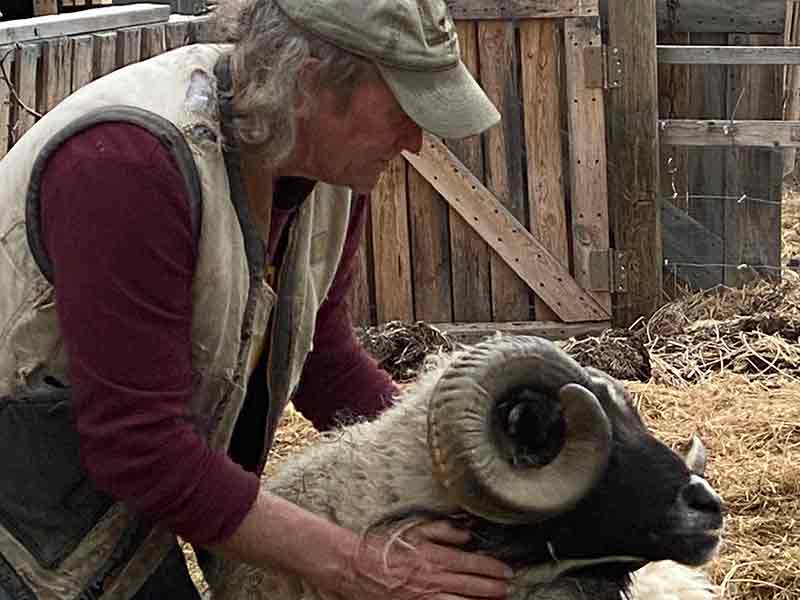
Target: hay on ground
pixel 401 348
pixel 752 432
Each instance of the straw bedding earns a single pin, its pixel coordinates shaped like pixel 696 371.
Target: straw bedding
pixel 725 365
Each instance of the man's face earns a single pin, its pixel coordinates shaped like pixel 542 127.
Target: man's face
pixel 353 145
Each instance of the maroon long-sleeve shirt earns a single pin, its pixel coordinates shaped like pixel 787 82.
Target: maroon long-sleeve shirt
pixel 116 224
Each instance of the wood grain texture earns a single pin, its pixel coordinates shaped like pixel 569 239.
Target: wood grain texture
pixel 45 7
pixel 589 189
pixel 390 243
pixel 55 73
pixel 472 333
pixel 360 296
pixel 82 61
pixel 471 275
pixel 764 133
pixel 177 32
pixel 129 46
pixel 510 239
pixel 430 251
pixel 633 159
pixel 474 10
pixel 791 112
pixel 85 21
pixel 503 145
pixel 153 40
pixel 203 29
pixel 674 92
pixel 541 88
pixel 720 16
pixel 26 61
pixel 7 58
pixel 753 229
pixel 691 252
pixel 105 53
pixel 728 55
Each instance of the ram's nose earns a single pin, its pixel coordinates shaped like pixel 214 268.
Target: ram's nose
pixel 700 496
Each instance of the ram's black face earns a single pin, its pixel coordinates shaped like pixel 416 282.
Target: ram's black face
pixel 647 505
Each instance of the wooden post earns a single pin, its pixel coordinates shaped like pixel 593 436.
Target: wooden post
pixel 503 162
pixel 633 169
pixel 470 255
pixel 45 7
pixel 6 62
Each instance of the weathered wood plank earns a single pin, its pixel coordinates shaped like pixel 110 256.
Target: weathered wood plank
pixel 753 229
pixel 791 111
pixel 587 147
pixel 7 63
pixel 708 99
pixel 129 46
pixel 522 251
pixel 633 159
pixel 692 252
pixel 56 73
pixel 471 274
pixel 721 16
pixel 178 32
pixel 739 132
pixel 26 61
pixel 503 144
pixel 203 29
pixel 472 333
pixel 105 53
pixel 153 41
pixel 82 61
pixel 674 92
pixel 360 296
pixel 475 10
pixel 540 49
pixel 45 7
pixel 390 245
pixel 430 250
pixel 85 21
pixel 729 55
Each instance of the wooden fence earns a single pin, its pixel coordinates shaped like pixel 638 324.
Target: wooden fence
pixel 512 226
pixel 512 229
pixel 722 93
pixel 509 227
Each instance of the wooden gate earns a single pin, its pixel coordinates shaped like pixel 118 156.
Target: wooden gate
pixel 508 230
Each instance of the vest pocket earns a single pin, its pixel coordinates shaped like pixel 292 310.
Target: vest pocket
pixel 46 500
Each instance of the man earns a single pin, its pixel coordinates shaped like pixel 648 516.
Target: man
pixel 171 282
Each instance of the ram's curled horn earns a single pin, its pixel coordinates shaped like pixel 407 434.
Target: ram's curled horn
pixel 466 442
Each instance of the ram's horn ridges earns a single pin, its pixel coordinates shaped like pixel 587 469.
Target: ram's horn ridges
pixel 466 456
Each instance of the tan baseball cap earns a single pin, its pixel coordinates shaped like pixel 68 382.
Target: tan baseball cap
pixel 415 46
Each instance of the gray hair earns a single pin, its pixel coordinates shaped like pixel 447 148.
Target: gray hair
pixel 267 56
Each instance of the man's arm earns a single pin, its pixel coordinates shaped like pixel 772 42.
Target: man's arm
pixel 117 227
pixel 340 379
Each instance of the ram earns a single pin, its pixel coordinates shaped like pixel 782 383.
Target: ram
pixel 547 462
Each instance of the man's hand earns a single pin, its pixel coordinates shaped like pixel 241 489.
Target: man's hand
pixel 420 561
pixel 423 561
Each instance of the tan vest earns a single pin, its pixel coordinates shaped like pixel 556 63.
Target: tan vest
pixel 231 301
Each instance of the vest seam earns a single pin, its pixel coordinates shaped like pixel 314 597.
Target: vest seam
pixel 167 133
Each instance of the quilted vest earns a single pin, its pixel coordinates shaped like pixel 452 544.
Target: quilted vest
pixel 59 537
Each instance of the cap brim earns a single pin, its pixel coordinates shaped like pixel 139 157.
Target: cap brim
pixel 449 104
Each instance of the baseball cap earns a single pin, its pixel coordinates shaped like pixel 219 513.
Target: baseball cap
pixel 415 47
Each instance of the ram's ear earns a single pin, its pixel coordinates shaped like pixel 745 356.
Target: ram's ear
pixel 694 455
